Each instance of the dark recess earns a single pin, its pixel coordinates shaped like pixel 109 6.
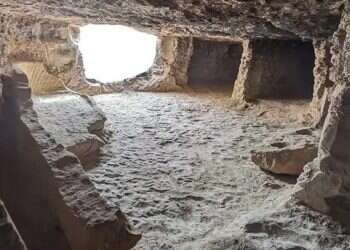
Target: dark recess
pixel 282 70
pixel 214 66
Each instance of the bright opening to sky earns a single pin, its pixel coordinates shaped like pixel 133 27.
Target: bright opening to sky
pixel 113 52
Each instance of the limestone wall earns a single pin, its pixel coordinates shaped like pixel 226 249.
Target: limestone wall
pixel 40 81
pixel 51 199
pixel 214 65
pixel 273 69
pixel 246 19
pixel 325 184
pixel 61 204
pixel 169 71
pixel 322 82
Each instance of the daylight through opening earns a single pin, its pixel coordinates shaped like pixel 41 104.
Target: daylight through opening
pixel 113 53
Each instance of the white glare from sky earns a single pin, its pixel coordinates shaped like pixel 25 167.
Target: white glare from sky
pixel 113 52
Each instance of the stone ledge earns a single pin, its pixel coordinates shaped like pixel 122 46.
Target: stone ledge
pixel 288 153
pixel 86 218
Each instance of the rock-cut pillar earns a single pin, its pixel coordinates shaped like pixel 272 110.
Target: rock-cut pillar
pixel 275 69
pixel 325 183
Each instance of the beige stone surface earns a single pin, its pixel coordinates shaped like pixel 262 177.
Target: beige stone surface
pixel 288 153
pixel 79 126
pixel 62 204
pixel 63 210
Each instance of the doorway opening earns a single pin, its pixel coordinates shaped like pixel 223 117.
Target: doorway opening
pixel 214 66
pixel 282 70
pixel 112 53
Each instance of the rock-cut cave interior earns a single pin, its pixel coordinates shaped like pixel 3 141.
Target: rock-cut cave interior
pixel 174 125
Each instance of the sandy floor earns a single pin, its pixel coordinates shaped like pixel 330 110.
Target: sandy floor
pixel 179 166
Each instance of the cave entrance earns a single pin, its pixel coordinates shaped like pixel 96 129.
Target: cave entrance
pixel 112 53
pixel 282 70
pixel 214 66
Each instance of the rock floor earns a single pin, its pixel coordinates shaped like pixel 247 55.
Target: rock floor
pixel 68 118
pixel 179 166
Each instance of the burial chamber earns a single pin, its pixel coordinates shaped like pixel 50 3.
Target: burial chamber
pixel 214 66
pixel 249 50
pixel 281 69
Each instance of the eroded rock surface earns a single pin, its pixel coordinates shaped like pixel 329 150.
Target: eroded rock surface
pixel 182 171
pixel 211 186
pixel 40 33
pixel 86 219
pixel 288 153
pixel 213 66
pixel 65 210
pixel 281 225
pixel 273 19
pixel 74 122
pixel 323 185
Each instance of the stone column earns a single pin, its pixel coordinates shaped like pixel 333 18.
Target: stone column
pixel 243 81
pixel 169 72
pixel 275 69
pixel 322 83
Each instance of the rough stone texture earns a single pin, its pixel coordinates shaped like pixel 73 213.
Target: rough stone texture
pixel 28 38
pixel 185 164
pixel 183 176
pixel 182 171
pixel 274 69
pixel 18 165
pixel 215 20
pixel 214 66
pixel 281 225
pixel 287 154
pixel 80 128
pixel 324 185
pixel 174 56
pixel 322 83
pixel 240 90
pixel 23 41
pixel 274 19
pixel 9 236
pixel 38 31
pixel 169 72
pixel 47 52
pixel 61 204
pixel 44 48
pixel 40 81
